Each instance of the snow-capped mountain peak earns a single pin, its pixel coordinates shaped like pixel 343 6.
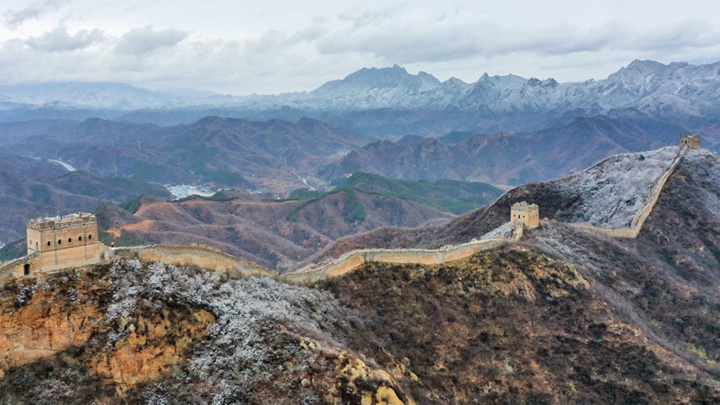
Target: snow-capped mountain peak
pixel 647 86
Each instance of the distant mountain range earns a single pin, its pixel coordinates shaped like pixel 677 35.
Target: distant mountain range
pixel 506 158
pixel 390 101
pixel 274 155
pixel 502 130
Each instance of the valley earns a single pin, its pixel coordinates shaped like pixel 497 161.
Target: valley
pixel 278 234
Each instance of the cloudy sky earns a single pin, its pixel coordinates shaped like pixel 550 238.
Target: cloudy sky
pixel 274 46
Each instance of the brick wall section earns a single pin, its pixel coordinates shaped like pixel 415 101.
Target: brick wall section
pixel 200 256
pixel 353 260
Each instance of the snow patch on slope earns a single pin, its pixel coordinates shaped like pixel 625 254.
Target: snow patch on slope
pixel 247 311
pixel 503 231
pixel 707 164
pixel 612 191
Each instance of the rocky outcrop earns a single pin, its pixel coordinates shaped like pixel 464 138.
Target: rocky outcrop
pixel 117 332
pixel 41 318
pixel 34 327
pixel 151 348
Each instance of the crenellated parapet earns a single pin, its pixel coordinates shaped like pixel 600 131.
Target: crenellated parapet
pixel 79 219
pixel 528 214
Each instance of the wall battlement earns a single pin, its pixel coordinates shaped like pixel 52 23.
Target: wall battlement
pixel 195 255
pixel 79 219
pixel 353 260
pixel 525 215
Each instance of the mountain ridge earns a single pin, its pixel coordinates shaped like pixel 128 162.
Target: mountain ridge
pixel 688 88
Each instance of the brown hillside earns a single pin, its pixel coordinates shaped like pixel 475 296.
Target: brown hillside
pixel 262 231
pixel 510 326
pixel 133 333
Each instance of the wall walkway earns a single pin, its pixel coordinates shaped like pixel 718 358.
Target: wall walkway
pixel 195 255
pixel 352 260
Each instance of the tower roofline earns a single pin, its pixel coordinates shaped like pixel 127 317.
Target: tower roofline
pixel 79 218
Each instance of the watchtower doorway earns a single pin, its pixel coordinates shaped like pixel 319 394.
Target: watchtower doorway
pixel 26 269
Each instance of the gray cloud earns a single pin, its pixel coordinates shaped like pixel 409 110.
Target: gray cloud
pixel 14 18
pixel 59 40
pixel 683 34
pixel 372 16
pixel 139 41
pixel 445 40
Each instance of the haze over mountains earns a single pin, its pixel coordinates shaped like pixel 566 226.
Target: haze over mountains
pixel 391 101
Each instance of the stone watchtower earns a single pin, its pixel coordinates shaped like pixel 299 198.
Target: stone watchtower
pixel 62 242
pixel 527 214
pixel 692 141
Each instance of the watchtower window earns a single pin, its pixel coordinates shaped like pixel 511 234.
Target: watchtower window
pixel 59 241
pixel 89 236
pixel 26 269
pixel 69 240
pixel 48 243
pixel 80 238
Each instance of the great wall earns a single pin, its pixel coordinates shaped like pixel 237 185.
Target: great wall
pixel 352 260
pixel 195 255
pixel 523 217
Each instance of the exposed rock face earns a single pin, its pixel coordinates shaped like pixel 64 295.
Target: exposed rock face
pixel 152 347
pixel 49 316
pixel 41 327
